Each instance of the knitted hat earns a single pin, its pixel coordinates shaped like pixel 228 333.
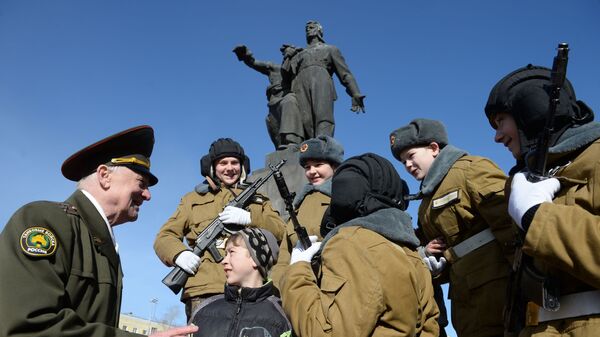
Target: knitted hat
pixel 324 148
pixel 418 132
pixel 262 246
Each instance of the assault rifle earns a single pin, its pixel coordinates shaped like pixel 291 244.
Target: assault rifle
pixel 206 240
pixel 289 206
pixel 546 291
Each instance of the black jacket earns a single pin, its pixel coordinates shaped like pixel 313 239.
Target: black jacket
pixel 242 312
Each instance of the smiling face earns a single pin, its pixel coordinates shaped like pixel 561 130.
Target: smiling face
pixel 128 190
pixel 317 171
pixel 228 170
pixel 417 160
pixel 239 267
pixel 507 133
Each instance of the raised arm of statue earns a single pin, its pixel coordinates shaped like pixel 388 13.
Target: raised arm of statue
pixel 244 54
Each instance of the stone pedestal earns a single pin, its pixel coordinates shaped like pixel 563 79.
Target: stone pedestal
pixel 292 172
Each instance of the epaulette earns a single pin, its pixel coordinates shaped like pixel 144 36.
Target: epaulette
pixel 259 199
pixel 97 241
pixel 68 208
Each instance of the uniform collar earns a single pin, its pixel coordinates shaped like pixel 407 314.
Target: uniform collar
pixel 93 220
pixel 391 223
pixel 440 167
pixel 103 215
pixel 248 294
pixel 324 188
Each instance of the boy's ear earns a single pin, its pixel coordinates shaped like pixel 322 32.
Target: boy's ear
pixel 254 265
pixel 435 148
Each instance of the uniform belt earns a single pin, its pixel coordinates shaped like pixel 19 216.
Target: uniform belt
pixel 574 305
pixel 454 253
pixel 304 66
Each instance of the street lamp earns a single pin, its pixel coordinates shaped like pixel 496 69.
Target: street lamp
pixel 152 311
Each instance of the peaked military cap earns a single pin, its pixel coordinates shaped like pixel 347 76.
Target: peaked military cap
pixel 130 148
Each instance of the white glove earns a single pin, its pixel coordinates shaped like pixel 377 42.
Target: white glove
pixel 525 194
pixel 435 266
pixel 188 261
pixel 300 254
pixel 235 215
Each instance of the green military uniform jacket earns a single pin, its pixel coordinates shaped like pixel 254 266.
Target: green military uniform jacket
pixel 563 237
pixel 59 272
pixel 468 199
pixel 369 286
pixel 310 213
pixel 194 213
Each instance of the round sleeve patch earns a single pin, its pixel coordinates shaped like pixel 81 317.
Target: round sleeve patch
pixel 38 241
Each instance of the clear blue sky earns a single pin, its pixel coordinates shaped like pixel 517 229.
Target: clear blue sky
pixel 73 72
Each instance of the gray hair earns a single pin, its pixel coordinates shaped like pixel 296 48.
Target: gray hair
pixel 85 180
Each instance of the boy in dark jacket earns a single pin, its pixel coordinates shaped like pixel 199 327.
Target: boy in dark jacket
pixel 248 306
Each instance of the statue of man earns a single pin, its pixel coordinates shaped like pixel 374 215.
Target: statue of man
pixel 284 121
pixel 313 68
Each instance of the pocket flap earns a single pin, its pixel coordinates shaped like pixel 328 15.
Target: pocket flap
pixel 332 283
pixel 82 273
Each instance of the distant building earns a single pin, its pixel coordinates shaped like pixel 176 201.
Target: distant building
pixel 131 323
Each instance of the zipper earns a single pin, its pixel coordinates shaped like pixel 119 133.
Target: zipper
pixel 234 324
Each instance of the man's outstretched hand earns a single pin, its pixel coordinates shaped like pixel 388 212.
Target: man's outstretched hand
pixel 183 331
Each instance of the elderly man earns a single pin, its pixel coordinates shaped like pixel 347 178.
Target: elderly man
pixel 59 268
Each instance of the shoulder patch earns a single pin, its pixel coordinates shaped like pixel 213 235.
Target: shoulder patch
pixel 446 199
pixel 38 241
